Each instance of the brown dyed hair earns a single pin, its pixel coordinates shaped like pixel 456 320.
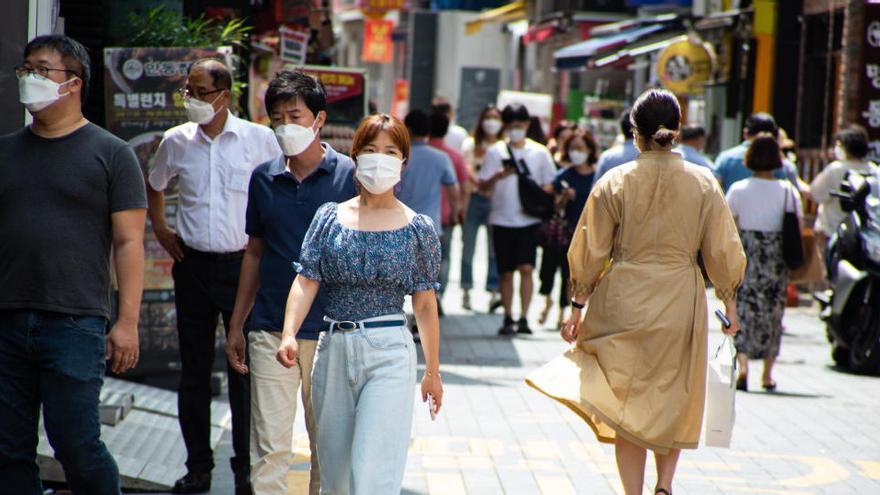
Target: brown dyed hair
pixel 763 153
pixel 589 140
pixel 370 128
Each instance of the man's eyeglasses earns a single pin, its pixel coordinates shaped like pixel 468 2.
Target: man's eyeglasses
pixel 187 93
pixel 22 71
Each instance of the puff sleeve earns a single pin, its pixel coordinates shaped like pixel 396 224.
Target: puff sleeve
pixel 309 264
pixel 593 239
pixel 426 262
pixel 721 247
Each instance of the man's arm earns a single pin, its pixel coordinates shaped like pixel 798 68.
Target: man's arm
pixel 248 283
pixel 166 235
pixel 128 249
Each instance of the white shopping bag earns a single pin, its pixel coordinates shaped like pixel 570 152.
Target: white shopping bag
pixel 720 396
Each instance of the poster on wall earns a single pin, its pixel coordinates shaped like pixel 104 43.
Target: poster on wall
pixel 479 87
pixel 346 97
pixel 141 102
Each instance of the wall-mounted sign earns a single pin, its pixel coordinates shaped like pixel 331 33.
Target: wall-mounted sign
pixel 377 9
pixel 684 67
pixel 869 94
pixel 377 41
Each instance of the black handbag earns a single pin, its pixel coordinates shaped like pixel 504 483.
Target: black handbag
pixel 792 242
pixel 554 233
pixel 534 199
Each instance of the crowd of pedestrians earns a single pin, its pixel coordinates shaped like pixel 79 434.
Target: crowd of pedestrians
pixel 306 255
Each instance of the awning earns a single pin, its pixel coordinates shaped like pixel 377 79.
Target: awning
pixel 576 56
pixel 515 11
pixel 626 54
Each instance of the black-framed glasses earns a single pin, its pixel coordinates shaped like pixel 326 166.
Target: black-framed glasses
pixel 40 70
pixel 187 93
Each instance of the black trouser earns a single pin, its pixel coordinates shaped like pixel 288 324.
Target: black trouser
pixel 552 259
pixel 204 287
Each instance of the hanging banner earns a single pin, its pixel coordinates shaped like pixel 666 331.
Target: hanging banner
pixel 400 102
pixel 869 96
pixel 377 41
pixel 684 67
pixel 376 9
pixel 294 45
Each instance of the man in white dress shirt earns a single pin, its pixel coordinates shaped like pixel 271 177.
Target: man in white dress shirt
pixel 212 156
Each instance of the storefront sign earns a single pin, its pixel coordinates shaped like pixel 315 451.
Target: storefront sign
pixel 377 41
pixel 377 9
pixel 684 67
pixel 294 45
pixel 869 100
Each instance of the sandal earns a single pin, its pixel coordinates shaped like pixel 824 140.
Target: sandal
pixel 769 386
pixel 662 491
pixel 742 383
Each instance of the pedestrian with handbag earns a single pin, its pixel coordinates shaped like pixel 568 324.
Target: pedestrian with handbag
pixel 571 188
pixel 515 170
pixel 637 371
pixel 759 205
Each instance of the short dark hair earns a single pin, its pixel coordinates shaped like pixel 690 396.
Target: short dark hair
pixel 761 122
pixel 438 124
pixel 443 107
pixel 763 153
pixel 417 123
pixel 220 74
pixel 74 55
pixel 626 126
pixel 291 84
pixel 515 112
pixel 854 140
pixel 657 116
pixel 689 132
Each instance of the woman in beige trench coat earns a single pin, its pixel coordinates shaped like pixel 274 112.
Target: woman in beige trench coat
pixel 638 370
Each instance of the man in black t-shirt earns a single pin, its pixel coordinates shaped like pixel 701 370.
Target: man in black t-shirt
pixel 69 190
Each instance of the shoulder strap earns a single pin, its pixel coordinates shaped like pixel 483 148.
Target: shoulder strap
pixel 524 170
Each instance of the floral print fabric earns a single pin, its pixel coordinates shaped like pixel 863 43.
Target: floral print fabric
pixel 761 298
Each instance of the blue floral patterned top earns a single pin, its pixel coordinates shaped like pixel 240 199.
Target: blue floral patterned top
pixel 367 274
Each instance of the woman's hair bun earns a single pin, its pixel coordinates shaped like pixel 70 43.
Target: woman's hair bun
pixel 663 136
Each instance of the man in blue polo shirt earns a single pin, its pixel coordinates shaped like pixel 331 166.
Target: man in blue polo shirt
pixel 730 165
pixel 283 196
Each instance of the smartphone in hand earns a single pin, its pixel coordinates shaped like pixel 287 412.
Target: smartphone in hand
pixel 722 318
pixel 431 407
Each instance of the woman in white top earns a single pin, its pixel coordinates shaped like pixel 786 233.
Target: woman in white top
pixel 851 149
pixel 758 205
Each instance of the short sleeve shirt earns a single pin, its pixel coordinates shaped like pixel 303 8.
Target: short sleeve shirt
pixel 730 167
pixel 582 185
pixel 279 211
pixel 57 197
pixel 759 204
pixel 507 211
pixel 426 171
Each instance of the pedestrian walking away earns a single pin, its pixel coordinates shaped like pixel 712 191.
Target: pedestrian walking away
pixel 69 191
pixel 487 132
pixel 368 252
pixel 758 205
pixel 619 154
pixel 284 194
pixel 691 146
pixel 212 156
pixel 637 371
pixel 514 231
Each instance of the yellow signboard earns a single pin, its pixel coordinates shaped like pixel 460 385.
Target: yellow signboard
pixel 684 66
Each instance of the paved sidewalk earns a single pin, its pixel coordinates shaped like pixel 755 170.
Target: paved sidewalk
pixel 820 434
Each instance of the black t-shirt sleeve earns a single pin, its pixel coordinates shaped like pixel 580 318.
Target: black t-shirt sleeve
pixel 127 188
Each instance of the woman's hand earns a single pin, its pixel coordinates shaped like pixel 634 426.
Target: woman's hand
pixel 432 384
pixel 287 351
pixel 732 316
pixel 571 325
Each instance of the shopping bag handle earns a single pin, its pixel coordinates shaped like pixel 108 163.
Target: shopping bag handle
pixel 728 346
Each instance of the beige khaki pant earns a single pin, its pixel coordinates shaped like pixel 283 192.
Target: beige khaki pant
pixel 273 409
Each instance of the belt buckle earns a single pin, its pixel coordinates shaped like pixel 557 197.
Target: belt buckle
pixel 346 326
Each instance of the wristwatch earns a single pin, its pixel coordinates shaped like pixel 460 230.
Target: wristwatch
pixel 577 305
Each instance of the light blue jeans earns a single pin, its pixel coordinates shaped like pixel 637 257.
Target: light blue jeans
pixel 477 215
pixel 362 395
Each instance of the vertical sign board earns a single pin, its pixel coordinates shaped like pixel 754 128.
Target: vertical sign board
pixel 422 46
pixel 869 94
pixel 479 87
pixel 141 102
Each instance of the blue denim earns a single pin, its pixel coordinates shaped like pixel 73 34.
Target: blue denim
pixel 477 216
pixel 362 395
pixel 55 360
pixel 445 246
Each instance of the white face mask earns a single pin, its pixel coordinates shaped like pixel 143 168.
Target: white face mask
pixel 378 172
pixel 294 138
pixel 577 157
pixel 200 112
pixel 516 135
pixel 491 126
pixel 37 92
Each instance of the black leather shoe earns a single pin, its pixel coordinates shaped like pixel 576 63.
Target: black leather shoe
pixel 193 483
pixel 508 328
pixel 243 484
